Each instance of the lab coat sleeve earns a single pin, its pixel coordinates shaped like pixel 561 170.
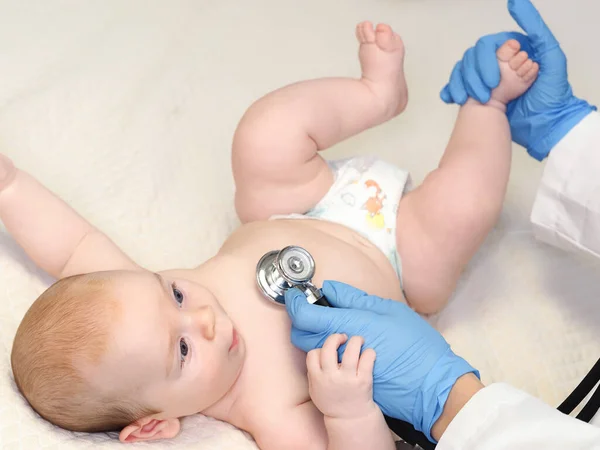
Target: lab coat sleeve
pixel 566 211
pixel 500 417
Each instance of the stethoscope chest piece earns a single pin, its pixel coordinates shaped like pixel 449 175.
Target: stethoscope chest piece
pixel 272 285
pixel 280 270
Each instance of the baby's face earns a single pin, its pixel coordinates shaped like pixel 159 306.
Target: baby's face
pixel 174 348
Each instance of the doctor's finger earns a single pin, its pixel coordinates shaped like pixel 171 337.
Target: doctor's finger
pixel 342 295
pixel 471 77
pixel 306 316
pixel 486 62
pixel 307 341
pixel 530 20
pixel 456 85
pixel 445 95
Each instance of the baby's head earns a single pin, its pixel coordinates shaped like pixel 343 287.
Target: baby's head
pixel 125 350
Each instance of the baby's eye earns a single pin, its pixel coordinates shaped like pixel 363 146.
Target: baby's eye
pixel 177 294
pixel 183 348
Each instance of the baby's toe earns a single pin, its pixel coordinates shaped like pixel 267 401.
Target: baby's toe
pixel 508 50
pixel 525 67
pixel 387 40
pixel 365 32
pixel 517 61
pixel 532 73
pixel 385 37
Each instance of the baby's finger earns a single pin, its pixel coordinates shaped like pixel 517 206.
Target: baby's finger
pixel 313 361
pixel 367 362
pixel 352 354
pixel 329 355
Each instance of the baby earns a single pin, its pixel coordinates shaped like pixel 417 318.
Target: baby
pixel 112 346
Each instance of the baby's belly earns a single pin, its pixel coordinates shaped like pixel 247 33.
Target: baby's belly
pixel 274 376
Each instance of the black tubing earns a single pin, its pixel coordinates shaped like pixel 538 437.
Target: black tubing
pixel 408 433
pixel 581 391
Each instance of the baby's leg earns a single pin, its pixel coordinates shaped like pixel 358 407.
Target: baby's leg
pixel 275 163
pixel 443 222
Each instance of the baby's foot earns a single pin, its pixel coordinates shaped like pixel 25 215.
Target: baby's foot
pixel 7 172
pixel 517 73
pixel 381 57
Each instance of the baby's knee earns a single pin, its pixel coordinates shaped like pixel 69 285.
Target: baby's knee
pixel 429 294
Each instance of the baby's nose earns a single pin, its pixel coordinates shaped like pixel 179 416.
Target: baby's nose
pixel 203 319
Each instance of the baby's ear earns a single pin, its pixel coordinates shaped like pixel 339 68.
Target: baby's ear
pixel 150 429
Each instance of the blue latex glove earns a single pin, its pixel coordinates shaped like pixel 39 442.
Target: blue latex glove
pixel 542 116
pixel 414 368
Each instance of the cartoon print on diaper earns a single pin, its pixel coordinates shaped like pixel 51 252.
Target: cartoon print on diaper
pixel 353 175
pixel 358 187
pixel 374 205
pixel 348 199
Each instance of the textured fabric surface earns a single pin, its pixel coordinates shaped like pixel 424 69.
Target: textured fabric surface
pixel 126 109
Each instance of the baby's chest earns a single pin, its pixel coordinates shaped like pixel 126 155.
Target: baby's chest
pixel 276 370
pixel 270 350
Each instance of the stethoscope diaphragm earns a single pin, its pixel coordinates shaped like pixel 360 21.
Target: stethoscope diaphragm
pixel 292 267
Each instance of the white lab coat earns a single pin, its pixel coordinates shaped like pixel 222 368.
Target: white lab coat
pixel 566 214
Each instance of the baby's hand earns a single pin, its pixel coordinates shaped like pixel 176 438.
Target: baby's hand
pixel 341 390
pixel 7 171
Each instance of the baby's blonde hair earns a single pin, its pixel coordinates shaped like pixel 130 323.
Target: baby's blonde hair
pixel 68 324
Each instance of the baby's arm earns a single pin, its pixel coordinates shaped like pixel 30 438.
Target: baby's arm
pixel 276 166
pixel 343 392
pixel 342 414
pixel 52 234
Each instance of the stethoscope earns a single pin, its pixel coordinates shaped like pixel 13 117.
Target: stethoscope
pixel 291 267
pixel 294 267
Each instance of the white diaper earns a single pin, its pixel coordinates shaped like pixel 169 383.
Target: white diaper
pixel 364 197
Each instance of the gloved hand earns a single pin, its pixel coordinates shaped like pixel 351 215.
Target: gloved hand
pixel 414 366
pixel 542 116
